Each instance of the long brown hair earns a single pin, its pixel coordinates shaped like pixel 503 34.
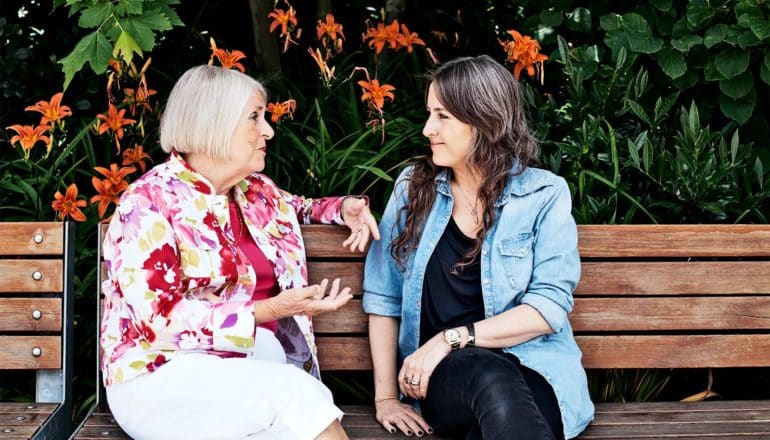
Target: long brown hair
pixel 479 92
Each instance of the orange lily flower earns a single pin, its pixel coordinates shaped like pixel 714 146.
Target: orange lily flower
pixel 109 189
pixel 114 121
pixel 376 93
pixel 29 136
pixel 407 39
pixel 136 156
pixel 52 111
pixel 114 175
pixel 282 18
pixel 68 204
pixel 227 58
pixel 280 109
pixel 139 97
pixel 381 35
pixel 525 52
pixel 330 28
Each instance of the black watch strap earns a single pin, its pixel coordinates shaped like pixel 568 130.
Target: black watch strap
pixel 471 342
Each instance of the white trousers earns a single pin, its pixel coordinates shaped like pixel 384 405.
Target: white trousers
pixel 200 396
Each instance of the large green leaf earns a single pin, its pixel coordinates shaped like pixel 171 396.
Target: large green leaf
pixel 610 22
pixel 738 109
pixel 126 47
pixel 698 11
pixel 132 7
pixel 737 87
pixel 753 18
pixel 551 17
pixel 94 49
pixel 142 27
pixel 686 42
pixel 640 36
pixel 579 20
pixel 672 62
pixel 731 62
pixel 94 16
pixel 715 35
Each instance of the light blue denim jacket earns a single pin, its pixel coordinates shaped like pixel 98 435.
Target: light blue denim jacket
pixel 528 257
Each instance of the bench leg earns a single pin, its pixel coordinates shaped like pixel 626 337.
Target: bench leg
pixel 50 386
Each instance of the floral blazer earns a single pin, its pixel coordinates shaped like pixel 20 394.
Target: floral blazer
pixel 178 284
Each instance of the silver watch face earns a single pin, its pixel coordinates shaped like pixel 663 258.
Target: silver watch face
pixel 452 336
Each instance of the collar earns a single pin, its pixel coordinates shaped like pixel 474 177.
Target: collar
pixel 519 185
pixel 186 174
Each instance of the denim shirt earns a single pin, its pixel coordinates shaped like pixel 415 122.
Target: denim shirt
pixel 529 256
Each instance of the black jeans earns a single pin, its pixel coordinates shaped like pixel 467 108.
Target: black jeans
pixel 475 393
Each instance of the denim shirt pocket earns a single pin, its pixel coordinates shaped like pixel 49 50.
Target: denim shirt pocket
pixel 517 259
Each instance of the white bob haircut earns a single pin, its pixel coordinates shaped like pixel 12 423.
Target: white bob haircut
pixel 203 109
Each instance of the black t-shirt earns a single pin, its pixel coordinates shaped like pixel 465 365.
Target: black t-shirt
pixel 450 300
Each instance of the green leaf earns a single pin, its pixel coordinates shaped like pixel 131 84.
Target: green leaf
pixel 662 5
pixel 738 109
pixel 132 7
pixel 376 171
pixel 731 62
pixel 94 49
pixel 693 118
pixel 734 144
pixel 610 22
pixel 638 110
pixel 715 35
pixel 126 47
pixel 764 72
pixel 551 17
pixel 94 16
pixel 699 11
pixel 689 79
pixel 579 20
pixel 142 28
pixel 640 36
pixel 759 172
pixel 163 7
pixel 737 87
pixel 710 72
pixel 632 151
pixel 686 42
pixel 754 19
pixel 672 62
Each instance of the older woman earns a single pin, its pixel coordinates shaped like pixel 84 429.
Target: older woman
pixel 206 331
pixel 468 293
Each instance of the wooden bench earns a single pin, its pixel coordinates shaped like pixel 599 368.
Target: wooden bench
pixel 36 326
pixel 659 296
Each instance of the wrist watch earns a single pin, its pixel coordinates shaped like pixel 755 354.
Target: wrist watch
pixel 452 337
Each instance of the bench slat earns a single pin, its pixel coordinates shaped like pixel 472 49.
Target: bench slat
pixel 17 352
pixel 671 278
pixel 16 314
pixel 673 241
pixel 616 314
pixel 619 278
pixel 18 238
pixel 642 351
pixel 18 276
pixel 610 241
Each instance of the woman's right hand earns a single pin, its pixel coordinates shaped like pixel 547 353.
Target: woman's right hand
pixel 393 414
pixel 311 300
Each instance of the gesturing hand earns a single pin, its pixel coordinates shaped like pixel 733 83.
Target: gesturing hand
pixel 356 214
pixel 393 414
pixel 310 300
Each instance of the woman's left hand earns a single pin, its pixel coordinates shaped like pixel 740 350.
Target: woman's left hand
pixel 415 373
pixel 356 214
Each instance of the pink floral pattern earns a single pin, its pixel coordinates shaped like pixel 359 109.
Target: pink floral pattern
pixel 177 283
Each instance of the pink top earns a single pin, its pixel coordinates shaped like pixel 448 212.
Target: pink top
pixel 267 285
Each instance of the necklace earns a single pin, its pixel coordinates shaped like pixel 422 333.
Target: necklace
pixel 473 206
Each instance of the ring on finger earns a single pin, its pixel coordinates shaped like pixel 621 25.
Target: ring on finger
pixel 414 383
